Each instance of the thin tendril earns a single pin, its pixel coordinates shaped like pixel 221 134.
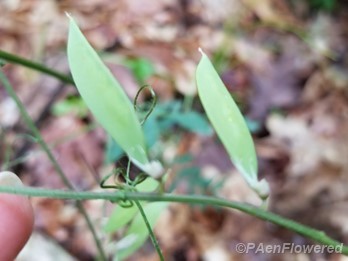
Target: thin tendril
pixel 128 180
pixel 118 185
pixel 120 171
pixel 115 173
pixel 153 102
pixel 139 179
pixel 125 203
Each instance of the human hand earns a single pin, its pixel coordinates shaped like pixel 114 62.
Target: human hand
pixel 16 219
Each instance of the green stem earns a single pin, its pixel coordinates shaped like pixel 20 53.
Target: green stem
pixel 49 154
pixel 143 215
pixel 11 58
pixel 152 235
pixel 316 235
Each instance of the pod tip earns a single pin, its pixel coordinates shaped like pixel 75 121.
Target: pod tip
pixel 200 50
pixel 68 15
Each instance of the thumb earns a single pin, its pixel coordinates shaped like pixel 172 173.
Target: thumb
pixel 16 219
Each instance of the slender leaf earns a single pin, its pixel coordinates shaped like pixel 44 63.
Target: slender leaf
pixel 228 123
pixel 120 217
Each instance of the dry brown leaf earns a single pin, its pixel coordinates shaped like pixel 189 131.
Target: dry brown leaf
pixel 77 157
pixel 274 12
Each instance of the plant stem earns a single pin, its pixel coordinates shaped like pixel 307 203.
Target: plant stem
pixel 143 215
pixel 141 210
pixel 151 233
pixel 49 154
pixel 316 235
pixel 11 58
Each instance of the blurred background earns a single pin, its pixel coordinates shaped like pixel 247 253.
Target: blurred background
pixel 284 62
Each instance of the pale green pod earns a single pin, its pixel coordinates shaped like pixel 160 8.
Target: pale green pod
pixel 228 123
pixel 107 100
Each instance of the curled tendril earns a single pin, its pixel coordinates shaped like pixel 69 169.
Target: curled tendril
pixel 153 101
pixel 117 185
pixel 116 173
pixel 129 185
pixel 116 177
pixel 139 179
pixel 126 203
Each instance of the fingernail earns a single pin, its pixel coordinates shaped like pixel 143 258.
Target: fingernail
pixel 8 178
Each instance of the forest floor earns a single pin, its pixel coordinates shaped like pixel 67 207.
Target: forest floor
pixel 284 62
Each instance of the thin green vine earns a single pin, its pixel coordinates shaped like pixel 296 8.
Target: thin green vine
pixel 151 233
pixel 11 58
pixel 313 234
